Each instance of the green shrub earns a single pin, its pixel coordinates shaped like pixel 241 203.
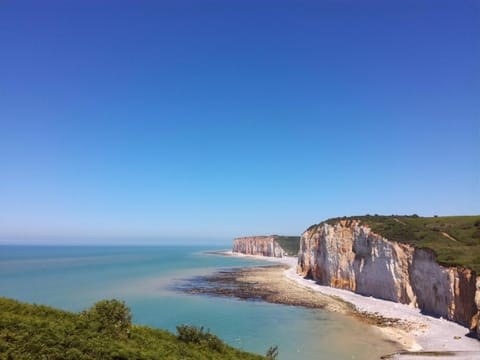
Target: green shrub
pixel 31 332
pixel 111 317
pixel 197 335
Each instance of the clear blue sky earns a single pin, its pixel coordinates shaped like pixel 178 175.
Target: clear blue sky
pixel 163 121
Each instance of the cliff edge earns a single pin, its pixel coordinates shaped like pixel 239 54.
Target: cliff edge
pixel 273 245
pixel 348 254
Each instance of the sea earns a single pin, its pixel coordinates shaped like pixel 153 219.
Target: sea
pixel 147 278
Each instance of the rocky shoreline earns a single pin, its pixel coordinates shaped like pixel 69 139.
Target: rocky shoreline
pixel 400 324
pixel 266 283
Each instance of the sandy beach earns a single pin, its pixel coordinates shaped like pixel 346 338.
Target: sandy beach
pixel 402 324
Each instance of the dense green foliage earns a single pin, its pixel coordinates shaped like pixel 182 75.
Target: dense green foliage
pixel 102 332
pixel 454 239
pixel 193 334
pixel 111 317
pixel 291 244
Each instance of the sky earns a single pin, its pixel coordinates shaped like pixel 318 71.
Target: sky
pixel 199 121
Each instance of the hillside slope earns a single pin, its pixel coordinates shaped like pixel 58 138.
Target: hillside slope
pixel 40 332
pixel 290 244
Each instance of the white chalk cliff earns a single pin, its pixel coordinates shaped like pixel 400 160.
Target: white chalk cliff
pixel 350 256
pixel 258 245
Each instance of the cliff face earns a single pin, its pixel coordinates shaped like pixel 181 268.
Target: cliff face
pixel 350 256
pixel 258 245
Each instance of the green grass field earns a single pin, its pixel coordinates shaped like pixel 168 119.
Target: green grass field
pixel 455 239
pixel 30 332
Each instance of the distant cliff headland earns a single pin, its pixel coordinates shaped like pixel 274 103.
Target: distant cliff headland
pixel 273 245
pixel 427 262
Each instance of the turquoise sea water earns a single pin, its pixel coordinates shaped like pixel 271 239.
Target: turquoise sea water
pixel 73 278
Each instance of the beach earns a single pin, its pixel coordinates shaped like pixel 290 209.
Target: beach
pixel 399 323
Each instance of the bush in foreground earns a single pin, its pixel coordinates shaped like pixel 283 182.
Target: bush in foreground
pixel 30 332
pixel 193 334
pixel 111 317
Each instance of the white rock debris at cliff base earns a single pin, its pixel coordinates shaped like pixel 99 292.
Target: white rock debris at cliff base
pixel 426 333
pixel 348 255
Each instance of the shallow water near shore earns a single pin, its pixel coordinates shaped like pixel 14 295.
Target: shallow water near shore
pixel 73 278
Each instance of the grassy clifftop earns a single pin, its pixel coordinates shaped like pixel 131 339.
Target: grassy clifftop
pixel 103 332
pixel 455 239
